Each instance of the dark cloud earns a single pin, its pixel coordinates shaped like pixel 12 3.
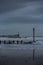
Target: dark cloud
pixel 8 5
pixel 19 15
pixel 21 11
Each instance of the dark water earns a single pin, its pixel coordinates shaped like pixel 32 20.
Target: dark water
pixel 21 54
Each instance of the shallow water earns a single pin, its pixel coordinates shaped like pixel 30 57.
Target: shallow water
pixel 13 54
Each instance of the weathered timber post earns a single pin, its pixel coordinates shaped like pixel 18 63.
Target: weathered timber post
pixel 21 41
pixel 17 42
pixel 13 41
pixel 4 42
pixel 9 42
pixel 0 41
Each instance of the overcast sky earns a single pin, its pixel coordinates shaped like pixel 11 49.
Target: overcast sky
pixel 21 16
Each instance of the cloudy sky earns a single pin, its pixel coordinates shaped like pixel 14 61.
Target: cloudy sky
pixel 21 16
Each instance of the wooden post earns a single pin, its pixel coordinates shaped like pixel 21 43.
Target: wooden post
pixel 4 42
pixel 13 41
pixel 33 34
pixel 0 41
pixel 17 42
pixel 21 41
pixel 9 42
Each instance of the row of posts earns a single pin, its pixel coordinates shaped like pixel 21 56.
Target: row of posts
pixel 11 42
pixel 21 42
pixel 15 42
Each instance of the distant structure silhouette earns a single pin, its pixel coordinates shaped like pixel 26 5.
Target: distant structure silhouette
pixel 33 34
pixel 18 35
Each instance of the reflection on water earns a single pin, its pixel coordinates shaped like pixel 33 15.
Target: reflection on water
pixel 21 54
